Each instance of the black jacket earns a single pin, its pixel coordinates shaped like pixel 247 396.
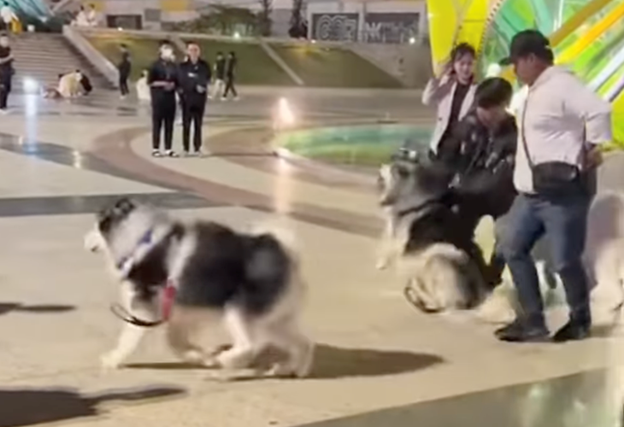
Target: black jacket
pixel 125 66
pixel 193 79
pixel 484 163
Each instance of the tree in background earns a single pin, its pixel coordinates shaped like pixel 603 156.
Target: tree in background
pixel 222 20
pixel 264 17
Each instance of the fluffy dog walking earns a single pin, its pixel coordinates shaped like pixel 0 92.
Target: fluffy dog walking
pixel 177 273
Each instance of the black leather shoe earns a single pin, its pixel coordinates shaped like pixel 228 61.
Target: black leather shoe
pixel 519 331
pixel 572 331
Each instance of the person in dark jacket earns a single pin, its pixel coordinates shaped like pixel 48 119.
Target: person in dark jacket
pixel 194 77
pixel 219 74
pixel 230 74
pixel 124 68
pixel 484 145
pixel 162 78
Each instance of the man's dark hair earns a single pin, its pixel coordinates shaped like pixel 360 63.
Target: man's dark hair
pixel 190 42
pixel 123 46
pixel 493 92
pixel 219 53
pixel 165 42
pixel 462 50
pixel 232 53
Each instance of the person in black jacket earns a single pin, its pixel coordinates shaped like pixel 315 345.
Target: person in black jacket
pixel 484 145
pixel 194 77
pixel 162 78
pixel 230 74
pixel 124 68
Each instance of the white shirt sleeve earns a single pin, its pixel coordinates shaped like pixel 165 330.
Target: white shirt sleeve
pixel 589 107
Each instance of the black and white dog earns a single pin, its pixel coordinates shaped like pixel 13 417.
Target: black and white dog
pixel 431 243
pixel 174 273
pixel 438 262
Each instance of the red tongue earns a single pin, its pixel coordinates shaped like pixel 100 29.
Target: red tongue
pixel 168 299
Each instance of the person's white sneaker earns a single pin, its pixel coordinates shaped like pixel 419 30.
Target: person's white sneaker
pixel 171 153
pixel 223 98
pixel 199 153
pixel 157 153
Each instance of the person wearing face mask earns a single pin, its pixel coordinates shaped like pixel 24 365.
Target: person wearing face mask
pixel 6 72
pixel 162 78
pixel 194 78
pixel 452 93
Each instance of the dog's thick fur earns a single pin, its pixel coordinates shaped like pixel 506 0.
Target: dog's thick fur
pixel 431 244
pixel 251 280
pixel 436 275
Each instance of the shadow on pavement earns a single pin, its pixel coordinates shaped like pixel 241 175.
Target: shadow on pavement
pixel 7 307
pixel 336 362
pixel 24 407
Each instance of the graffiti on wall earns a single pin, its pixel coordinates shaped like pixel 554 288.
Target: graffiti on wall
pixel 335 26
pixel 390 27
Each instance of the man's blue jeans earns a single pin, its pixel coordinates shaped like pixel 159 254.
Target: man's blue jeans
pixel 563 221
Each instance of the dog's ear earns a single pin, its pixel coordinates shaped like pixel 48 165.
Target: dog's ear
pixel 124 206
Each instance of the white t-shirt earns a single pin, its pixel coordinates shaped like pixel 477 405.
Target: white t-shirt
pixel 7 14
pixel 143 90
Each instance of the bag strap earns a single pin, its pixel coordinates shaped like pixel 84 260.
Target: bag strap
pixel 524 142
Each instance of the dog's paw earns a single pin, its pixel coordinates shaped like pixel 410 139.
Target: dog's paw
pixel 280 370
pixel 110 361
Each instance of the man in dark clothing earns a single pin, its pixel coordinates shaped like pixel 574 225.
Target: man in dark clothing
pixel 230 72
pixel 6 71
pixel 478 164
pixel 162 78
pixel 219 73
pixel 485 143
pixel 194 77
pixel 124 68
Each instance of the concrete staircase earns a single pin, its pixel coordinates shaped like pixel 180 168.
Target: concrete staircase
pixel 43 56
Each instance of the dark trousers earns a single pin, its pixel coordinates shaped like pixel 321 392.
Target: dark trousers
pixel 163 115
pixel 192 115
pixel 4 96
pixel 123 84
pixel 229 87
pixel 563 222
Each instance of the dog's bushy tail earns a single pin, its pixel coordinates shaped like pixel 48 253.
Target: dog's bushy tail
pixel 284 235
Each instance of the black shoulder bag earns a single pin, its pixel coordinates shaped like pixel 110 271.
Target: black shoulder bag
pixel 553 179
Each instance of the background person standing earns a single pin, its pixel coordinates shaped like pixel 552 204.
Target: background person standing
pixel 230 73
pixel 194 77
pixel 7 15
pixel 6 72
pixel 452 93
pixel 124 68
pixel 219 73
pixel 162 78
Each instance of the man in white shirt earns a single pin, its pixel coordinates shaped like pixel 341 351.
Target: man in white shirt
pixel 561 125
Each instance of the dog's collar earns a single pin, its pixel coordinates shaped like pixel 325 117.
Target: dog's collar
pixel 125 264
